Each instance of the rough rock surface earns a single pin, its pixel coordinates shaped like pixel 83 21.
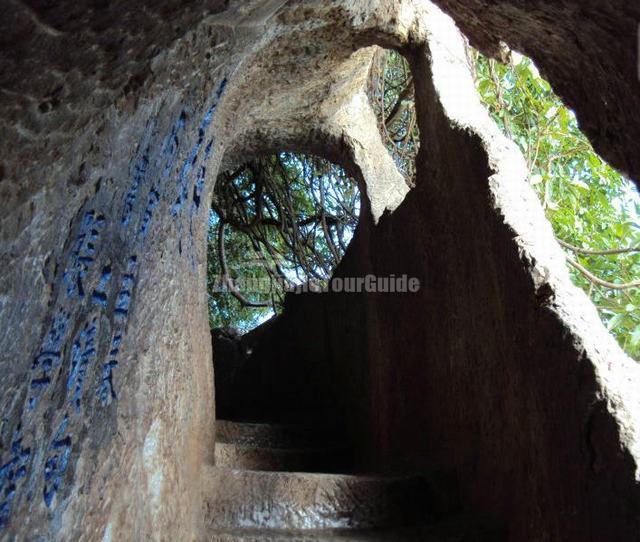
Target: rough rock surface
pixel 269 500
pixel 300 447
pixel 115 119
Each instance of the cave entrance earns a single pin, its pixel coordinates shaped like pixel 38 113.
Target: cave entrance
pixel 279 226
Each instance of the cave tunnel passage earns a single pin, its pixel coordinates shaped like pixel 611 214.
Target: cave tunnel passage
pixel 494 388
pixel 283 222
pixel 307 391
pixel 286 449
pixel 279 227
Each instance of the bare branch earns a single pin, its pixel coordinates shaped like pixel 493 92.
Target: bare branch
pixel 599 282
pixel 225 272
pixel 590 252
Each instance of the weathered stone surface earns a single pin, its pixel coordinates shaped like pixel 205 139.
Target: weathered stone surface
pixel 274 435
pixel 324 459
pixel 115 119
pixel 255 491
pixel 462 529
pixel 273 447
pixel 121 115
pixel 309 501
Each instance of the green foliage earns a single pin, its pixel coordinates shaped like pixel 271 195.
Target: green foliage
pixel 225 311
pixel 391 93
pixel 590 205
pixel 286 220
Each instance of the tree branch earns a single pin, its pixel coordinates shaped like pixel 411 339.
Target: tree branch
pixel 225 272
pixel 590 252
pixel 599 282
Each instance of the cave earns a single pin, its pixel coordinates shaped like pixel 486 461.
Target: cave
pixel 490 404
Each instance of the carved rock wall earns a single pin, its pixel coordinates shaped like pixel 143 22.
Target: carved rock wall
pixel 114 121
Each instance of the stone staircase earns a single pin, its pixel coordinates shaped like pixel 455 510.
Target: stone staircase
pixel 277 447
pixel 278 482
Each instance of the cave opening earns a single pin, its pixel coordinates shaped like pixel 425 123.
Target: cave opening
pixel 279 226
pixel 279 223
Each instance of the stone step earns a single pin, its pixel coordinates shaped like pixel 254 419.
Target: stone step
pixel 454 529
pixel 247 535
pixel 282 436
pixel 301 501
pixel 240 456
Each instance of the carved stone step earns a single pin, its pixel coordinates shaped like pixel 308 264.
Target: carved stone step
pixel 262 435
pixel 301 501
pixel 247 535
pixel 454 529
pixel 239 456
